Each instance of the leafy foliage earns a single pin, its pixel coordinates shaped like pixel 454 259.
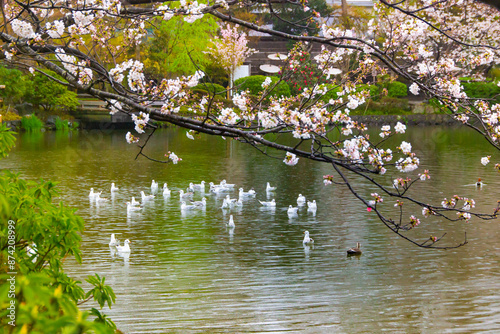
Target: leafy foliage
pixel 484 90
pixel 205 88
pixel 45 297
pixel 304 75
pixel 48 94
pixel 31 123
pixel 254 85
pixel 16 85
pixel 178 47
pixel 396 89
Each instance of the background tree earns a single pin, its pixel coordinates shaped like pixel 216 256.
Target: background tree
pixel 231 50
pixel 177 47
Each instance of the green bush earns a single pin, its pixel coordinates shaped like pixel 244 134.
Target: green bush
pixel 254 85
pixel 386 106
pixel 31 123
pixel 11 116
pixel 331 93
pixel 50 95
pixel 374 90
pixel 484 90
pixel 204 88
pixel 61 124
pixel 16 85
pixel 396 89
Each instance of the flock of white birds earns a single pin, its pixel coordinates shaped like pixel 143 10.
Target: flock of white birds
pixel 187 204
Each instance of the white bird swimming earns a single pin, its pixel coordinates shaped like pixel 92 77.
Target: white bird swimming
pixel 182 194
pixel 154 187
pixel 272 203
pixel 307 240
pixel 230 224
pixel 226 185
pixel 225 204
pixel 166 191
pixel 242 193
pixel 133 202
pixel 269 188
pixel 184 206
pixel 301 200
pixel 190 188
pixel 230 200
pixel 146 197
pixel 125 248
pixel 292 211
pixel 200 186
pixel 311 205
pixel 113 241
pixel 99 199
pixel 202 203
pixel 131 207
pixel 92 193
pixel 113 187
pixel 189 135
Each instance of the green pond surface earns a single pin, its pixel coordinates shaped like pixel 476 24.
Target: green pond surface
pixel 187 273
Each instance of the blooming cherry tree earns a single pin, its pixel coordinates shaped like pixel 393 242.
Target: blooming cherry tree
pixel 231 50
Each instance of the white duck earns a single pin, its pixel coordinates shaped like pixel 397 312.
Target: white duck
pixel 166 191
pixel 99 199
pixel 301 200
pixel 225 204
pixel 200 186
pixel 272 203
pixel 146 197
pixel 125 248
pixel 92 193
pixel 249 193
pixel 230 224
pixel 133 202
pixel 226 185
pixel 292 211
pixel 202 203
pixel 113 242
pixel 311 205
pixel 307 240
pixel 269 188
pixel 185 207
pixel 154 187
pixel 131 208
pixel 182 194
pixel 230 200
pixel 113 187
pixel 189 135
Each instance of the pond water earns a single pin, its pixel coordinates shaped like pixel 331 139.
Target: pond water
pixel 187 273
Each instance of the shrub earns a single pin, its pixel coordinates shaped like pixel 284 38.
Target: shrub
pixel 386 106
pixel 31 123
pixel 484 90
pixel 331 93
pixel 61 124
pixel 396 89
pixel 11 116
pixel 204 88
pixel 372 89
pixel 254 85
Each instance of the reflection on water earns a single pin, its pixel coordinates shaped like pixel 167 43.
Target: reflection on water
pixel 188 272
